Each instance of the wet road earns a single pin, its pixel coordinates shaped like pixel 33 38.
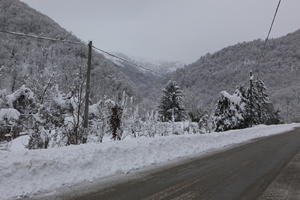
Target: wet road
pixel 240 173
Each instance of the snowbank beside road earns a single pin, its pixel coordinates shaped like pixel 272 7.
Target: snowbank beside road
pixel 25 172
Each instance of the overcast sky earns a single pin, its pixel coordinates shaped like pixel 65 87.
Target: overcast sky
pixel 180 30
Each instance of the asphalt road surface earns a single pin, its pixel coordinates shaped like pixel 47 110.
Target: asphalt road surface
pixel 243 172
pixel 287 184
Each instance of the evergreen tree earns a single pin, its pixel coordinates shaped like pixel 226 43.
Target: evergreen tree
pixel 262 110
pixel 230 110
pixel 246 107
pixel 171 105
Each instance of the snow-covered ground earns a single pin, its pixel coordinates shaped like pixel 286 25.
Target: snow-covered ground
pixel 24 172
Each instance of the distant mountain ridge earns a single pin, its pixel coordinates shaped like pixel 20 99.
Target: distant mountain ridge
pixel 158 67
pixel 230 67
pixel 148 76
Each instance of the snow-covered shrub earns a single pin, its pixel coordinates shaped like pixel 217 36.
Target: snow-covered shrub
pixel 28 118
pixel 39 139
pixel 51 117
pixel 137 128
pixel 9 115
pixel 57 121
pixel 97 124
pixel 22 100
pixel 52 122
pixel 9 123
pixel 229 113
pixel 62 116
pixel 106 118
pixel 204 124
pixel 17 110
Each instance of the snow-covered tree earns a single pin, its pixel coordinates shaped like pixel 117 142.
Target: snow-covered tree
pixel 230 110
pixel 171 104
pixel 260 107
pixel 246 107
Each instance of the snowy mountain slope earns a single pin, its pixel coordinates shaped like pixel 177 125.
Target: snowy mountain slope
pixel 157 67
pixel 23 60
pixel 229 67
pixel 37 171
pixel 147 76
pixel 161 67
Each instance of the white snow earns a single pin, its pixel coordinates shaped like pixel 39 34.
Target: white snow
pixel 19 144
pixel 27 172
pixel 26 92
pixel 9 114
pixel 233 98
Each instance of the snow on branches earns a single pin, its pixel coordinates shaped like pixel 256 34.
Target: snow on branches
pixel 171 104
pixel 246 107
pixel 57 121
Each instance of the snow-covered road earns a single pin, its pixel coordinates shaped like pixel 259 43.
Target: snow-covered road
pixel 26 172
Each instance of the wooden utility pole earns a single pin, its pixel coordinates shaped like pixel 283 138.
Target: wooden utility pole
pixel 88 86
pixel 251 98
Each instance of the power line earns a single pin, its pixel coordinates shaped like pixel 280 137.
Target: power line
pixel 268 36
pixel 88 76
pixel 123 59
pixel 272 24
pixel 39 37
pixel 72 42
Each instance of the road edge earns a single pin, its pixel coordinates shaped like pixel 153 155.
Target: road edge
pixel 286 184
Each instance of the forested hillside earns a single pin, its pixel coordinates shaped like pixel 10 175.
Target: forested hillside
pixel 148 76
pixel 38 63
pixel 203 80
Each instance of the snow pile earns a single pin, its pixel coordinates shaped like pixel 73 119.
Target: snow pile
pixel 25 172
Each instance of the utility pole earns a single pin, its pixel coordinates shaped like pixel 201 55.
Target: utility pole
pixel 251 98
pixel 88 86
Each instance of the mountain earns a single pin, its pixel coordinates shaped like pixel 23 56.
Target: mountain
pixel 204 79
pixel 148 76
pixel 35 62
pixel 155 67
pixel 147 82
